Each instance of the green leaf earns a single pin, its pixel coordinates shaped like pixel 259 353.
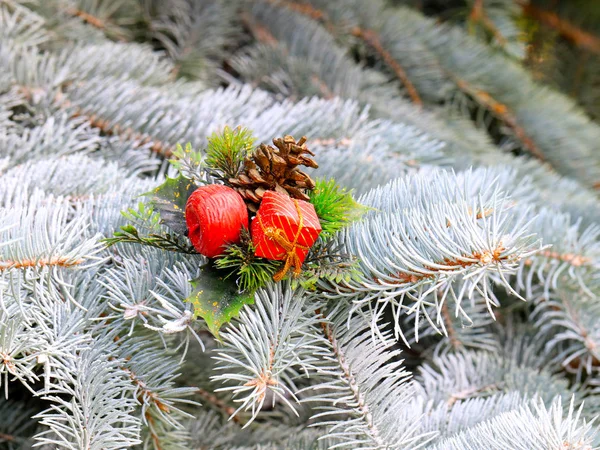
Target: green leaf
pixel 169 200
pixel 335 206
pixel 227 150
pixel 216 299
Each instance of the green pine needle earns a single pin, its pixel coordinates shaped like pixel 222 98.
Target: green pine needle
pixel 169 242
pixel 335 206
pixel 252 272
pixel 227 150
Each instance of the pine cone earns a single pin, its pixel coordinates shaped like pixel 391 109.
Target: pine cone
pixel 275 169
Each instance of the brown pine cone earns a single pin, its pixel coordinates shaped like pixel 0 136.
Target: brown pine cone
pixel 271 168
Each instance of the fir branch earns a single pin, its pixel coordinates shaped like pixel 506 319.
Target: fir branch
pixel 110 129
pixel 371 38
pixel 478 14
pixel 502 111
pixel 568 30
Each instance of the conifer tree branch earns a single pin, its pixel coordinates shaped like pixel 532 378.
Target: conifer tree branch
pixel 568 30
pixel 140 139
pixel 371 38
pixel 502 111
pixel 88 18
pixel 478 14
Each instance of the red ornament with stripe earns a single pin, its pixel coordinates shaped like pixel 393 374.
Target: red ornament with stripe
pixel 285 229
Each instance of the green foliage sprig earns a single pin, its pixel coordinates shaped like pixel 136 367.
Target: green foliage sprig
pixel 335 206
pixel 167 241
pixel 252 272
pixel 227 150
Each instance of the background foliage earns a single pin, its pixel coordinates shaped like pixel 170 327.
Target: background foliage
pixel 468 127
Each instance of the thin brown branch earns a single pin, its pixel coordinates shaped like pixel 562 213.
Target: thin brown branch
pixel 570 258
pixel 372 39
pixel 502 111
pixel 53 262
pixel 362 407
pixel 454 341
pixel 7 437
pixel 88 18
pixel 565 28
pixel 263 35
pixel 265 379
pixel 467 393
pixel 160 148
pixel 478 14
pixel 486 257
pixel 219 404
pixel 260 33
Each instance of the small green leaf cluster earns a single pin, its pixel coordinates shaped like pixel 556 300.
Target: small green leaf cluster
pixel 227 151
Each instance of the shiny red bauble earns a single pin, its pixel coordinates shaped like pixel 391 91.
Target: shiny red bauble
pixel 215 216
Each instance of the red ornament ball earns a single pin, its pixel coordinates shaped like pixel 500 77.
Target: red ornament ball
pixel 215 215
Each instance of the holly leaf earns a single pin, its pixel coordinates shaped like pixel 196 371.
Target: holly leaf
pixel 169 200
pixel 217 299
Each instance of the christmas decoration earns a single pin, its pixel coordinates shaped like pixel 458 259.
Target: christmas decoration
pixel 253 213
pixel 284 229
pixel 275 168
pixel 215 216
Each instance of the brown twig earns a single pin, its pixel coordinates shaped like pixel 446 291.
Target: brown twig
pixel 454 341
pixel 565 28
pixel 486 257
pixel 220 405
pixel 478 14
pixel 7 437
pixel 502 111
pixel 372 39
pixel 88 18
pixel 260 33
pixel 24 263
pixel 462 395
pixel 570 258
pixel 157 147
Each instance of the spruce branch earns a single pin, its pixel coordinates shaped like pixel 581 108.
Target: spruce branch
pixel 478 14
pixel 361 379
pixel 371 38
pixel 268 349
pixel 568 30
